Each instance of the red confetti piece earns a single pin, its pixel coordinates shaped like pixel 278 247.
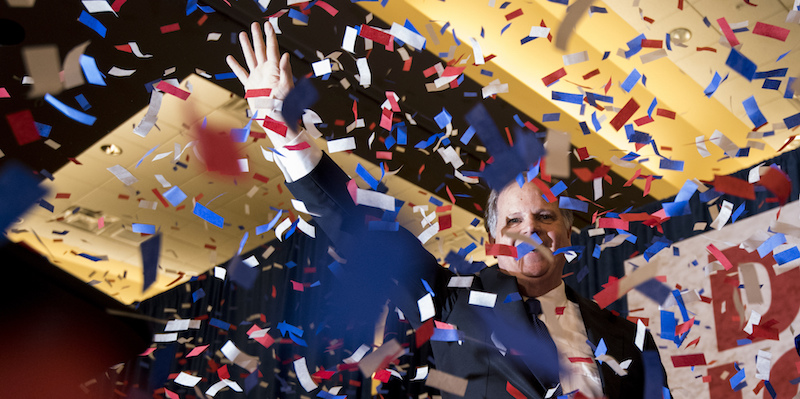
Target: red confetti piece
pixel 124 47
pixel 223 373
pixel 611 223
pixel 583 153
pixel 775 32
pixel 274 126
pixel 648 43
pixel 123 196
pixel 608 295
pixel 698 359
pixel 257 93
pixel 445 222
pixel 591 74
pixel 624 114
pixel 261 177
pixel 514 391
pixel 327 7
pixel 117 5
pixel 719 256
pixel 424 332
pixel 375 35
pixel 450 195
pixel 684 327
pixel 531 126
pixel 501 250
pixel 680 4
pixel 728 32
pixel 407 64
pixel 170 28
pixel 170 89
pixel 544 189
pixel 607 86
pixel 643 120
pixel 712 49
pixel 63 195
pixel 202 20
pixel 665 113
pixel 513 14
pixel 554 77
pixel 161 198
pixel 23 127
pixel 387 155
pixel 775 181
pixel 734 186
pixel 581 360
pixel 649 20
pixel 297 147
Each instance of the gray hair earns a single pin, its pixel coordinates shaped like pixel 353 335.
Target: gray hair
pixel 490 221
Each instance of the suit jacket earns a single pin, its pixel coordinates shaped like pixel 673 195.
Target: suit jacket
pixel 497 345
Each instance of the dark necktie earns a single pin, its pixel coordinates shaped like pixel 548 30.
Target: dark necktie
pixel 547 348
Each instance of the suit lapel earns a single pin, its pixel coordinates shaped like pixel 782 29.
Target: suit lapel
pixel 598 326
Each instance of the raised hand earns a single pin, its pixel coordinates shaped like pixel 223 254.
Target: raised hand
pixel 267 69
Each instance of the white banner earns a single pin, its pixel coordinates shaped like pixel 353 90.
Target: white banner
pixel 755 294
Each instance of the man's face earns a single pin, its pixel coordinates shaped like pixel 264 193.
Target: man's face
pixel 524 211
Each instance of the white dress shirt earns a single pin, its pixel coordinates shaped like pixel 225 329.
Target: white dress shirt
pixel 569 334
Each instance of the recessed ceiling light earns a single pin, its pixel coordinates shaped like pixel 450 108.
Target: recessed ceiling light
pixel 111 149
pixel 680 35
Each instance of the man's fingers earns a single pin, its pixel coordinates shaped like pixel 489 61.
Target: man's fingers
pixel 273 53
pixel 247 50
pixel 237 69
pixel 286 80
pixel 258 43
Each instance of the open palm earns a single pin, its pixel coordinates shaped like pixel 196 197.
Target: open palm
pixel 266 69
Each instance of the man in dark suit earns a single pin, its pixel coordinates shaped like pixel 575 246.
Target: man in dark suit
pixel 519 328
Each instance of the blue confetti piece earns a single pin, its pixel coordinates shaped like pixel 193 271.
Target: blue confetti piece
pixel 298 16
pixel 678 208
pixel 43 129
pixel 737 379
pixel 583 273
pixel 635 46
pixel 743 341
pixel 92 22
pixel 82 101
pixel 668 325
pixel 467 136
pixel 668 42
pixel 70 112
pixel 512 297
pixel 90 70
pixel 770 244
pixel 630 157
pixel 523 249
pixel 606 54
pixel 90 257
pixel 792 121
pixel 652 107
pixel 687 191
pixel 174 196
pixel 435 201
pixel 558 188
pixel 207 215
pixel 786 256
pixel 598 10
pixel 775 73
pixel 601 349
pixel 738 212
pixel 552 117
pixel 789 92
pixel 707 22
pixel 219 324
pixel 525 39
pixel 390 142
pixel 458 42
pixel 596 251
pixel 596 122
pixel 653 377
pixel 443 118
pixel 671 165
pixel 239 135
pixel 631 80
pixel 567 97
pixel 741 64
pixel 225 76
pixel 444 28
pixel 446 335
pixel 303 96
pixel 46 205
pixel 584 128
pixel 518 120
pixel 150 250
pixel 143 228
pixel 753 112
pixel 197 295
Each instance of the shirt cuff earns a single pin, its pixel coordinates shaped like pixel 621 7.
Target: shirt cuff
pixel 300 156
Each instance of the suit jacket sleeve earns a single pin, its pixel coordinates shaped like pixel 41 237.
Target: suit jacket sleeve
pixel 380 264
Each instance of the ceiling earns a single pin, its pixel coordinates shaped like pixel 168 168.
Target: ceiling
pixel 191 246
